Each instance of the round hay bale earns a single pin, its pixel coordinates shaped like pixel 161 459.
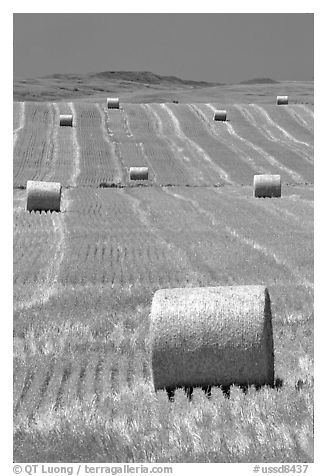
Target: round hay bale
pixel 66 120
pixel 43 196
pixel 113 103
pixel 211 336
pixel 220 116
pixel 282 100
pixel 139 173
pixel 267 186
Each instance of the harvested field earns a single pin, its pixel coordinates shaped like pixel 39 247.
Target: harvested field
pixel 34 145
pixel 84 278
pixel 297 156
pixel 98 160
pixel 179 143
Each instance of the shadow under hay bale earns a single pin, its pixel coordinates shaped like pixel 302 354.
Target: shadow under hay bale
pixel 282 100
pixel 113 103
pixel 66 120
pixel 220 115
pixel 139 173
pixel 188 391
pixel 43 196
pixel 110 185
pixel 278 384
pixel 267 186
pixel 213 336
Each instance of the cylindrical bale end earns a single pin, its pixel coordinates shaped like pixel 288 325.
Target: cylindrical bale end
pixel 139 173
pixel 43 196
pixel 113 103
pixel 267 186
pixel 66 120
pixel 282 100
pixel 220 116
pixel 211 336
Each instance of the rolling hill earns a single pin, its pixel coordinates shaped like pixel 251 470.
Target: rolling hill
pixel 147 87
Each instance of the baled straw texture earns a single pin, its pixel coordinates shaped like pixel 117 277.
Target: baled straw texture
pixel 267 186
pixel 66 120
pixel 43 196
pixel 113 103
pixel 282 100
pixel 138 173
pixel 211 336
pixel 220 116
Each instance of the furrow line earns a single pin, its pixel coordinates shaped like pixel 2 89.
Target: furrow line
pixel 288 140
pixel 33 396
pixel 52 154
pixel 141 147
pixel 177 152
pixel 21 122
pixel 272 160
pixel 172 249
pixel 47 404
pixel 214 133
pixel 89 382
pixel 119 168
pixel 19 385
pixel 254 245
pixel 308 110
pixel 76 168
pixel 277 142
pixel 242 155
pixel 292 111
pixel 200 152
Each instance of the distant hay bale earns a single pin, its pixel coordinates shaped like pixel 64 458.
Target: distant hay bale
pixel 66 120
pixel 138 173
pixel 43 196
pixel 282 100
pixel 220 115
pixel 113 103
pixel 267 186
pixel 211 336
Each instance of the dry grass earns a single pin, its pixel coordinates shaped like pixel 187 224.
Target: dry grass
pixel 137 425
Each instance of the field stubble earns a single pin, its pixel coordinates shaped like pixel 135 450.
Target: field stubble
pixel 82 370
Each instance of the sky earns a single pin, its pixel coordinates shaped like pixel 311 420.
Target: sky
pixel 217 47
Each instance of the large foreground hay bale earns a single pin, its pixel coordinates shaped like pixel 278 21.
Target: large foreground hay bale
pixel 220 116
pixel 66 120
pixel 138 173
pixel 43 196
pixel 282 100
pixel 267 186
pixel 211 336
pixel 113 103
